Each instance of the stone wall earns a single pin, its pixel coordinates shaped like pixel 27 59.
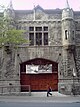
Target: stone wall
pixel 9 76
pixel 10 62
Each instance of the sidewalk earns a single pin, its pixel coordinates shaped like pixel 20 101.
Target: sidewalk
pixel 39 97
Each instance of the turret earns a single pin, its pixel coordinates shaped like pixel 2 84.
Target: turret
pixel 67 12
pixel 9 12
pixel 68 27
pixel 68 49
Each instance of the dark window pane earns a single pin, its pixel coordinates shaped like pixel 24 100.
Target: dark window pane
pixel 38 38
pixel 45 28
pixel 73 35
pixel 45 38
pixel 31 38
pixel 66 34
pixel 31 28
pixel 38 28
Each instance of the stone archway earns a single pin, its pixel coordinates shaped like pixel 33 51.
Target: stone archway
pixel 38 81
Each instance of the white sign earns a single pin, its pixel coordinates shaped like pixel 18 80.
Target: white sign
pixel 35 69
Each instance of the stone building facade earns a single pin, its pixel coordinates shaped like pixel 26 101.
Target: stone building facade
pixel 54 37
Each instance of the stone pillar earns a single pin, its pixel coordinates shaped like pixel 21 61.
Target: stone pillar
pixel 10 80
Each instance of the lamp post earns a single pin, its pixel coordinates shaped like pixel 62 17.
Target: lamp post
pixel 73 88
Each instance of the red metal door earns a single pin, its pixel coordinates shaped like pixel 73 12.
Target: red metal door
pixel 38 82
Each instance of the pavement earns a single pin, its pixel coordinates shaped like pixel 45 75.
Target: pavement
pixel 41 97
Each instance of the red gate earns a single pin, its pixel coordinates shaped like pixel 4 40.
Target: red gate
pixel 39 81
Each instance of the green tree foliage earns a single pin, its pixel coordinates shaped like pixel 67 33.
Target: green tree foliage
pixel 8 33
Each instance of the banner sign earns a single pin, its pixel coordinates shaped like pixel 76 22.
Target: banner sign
pixel 35 69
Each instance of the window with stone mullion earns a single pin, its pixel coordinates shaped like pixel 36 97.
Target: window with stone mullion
pixel 45 38
pixel 38 38
pixel 31 38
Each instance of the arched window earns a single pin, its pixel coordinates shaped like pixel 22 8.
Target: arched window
pixel 66 34
pixel 73 34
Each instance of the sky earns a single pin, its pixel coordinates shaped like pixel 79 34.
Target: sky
pixel 45 4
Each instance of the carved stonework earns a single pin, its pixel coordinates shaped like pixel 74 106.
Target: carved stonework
pixel 9 69
pixel 58 49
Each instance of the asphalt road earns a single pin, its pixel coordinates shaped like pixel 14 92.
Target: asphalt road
pixel 38 104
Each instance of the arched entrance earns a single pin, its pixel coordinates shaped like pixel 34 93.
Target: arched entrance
pixel 38 73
